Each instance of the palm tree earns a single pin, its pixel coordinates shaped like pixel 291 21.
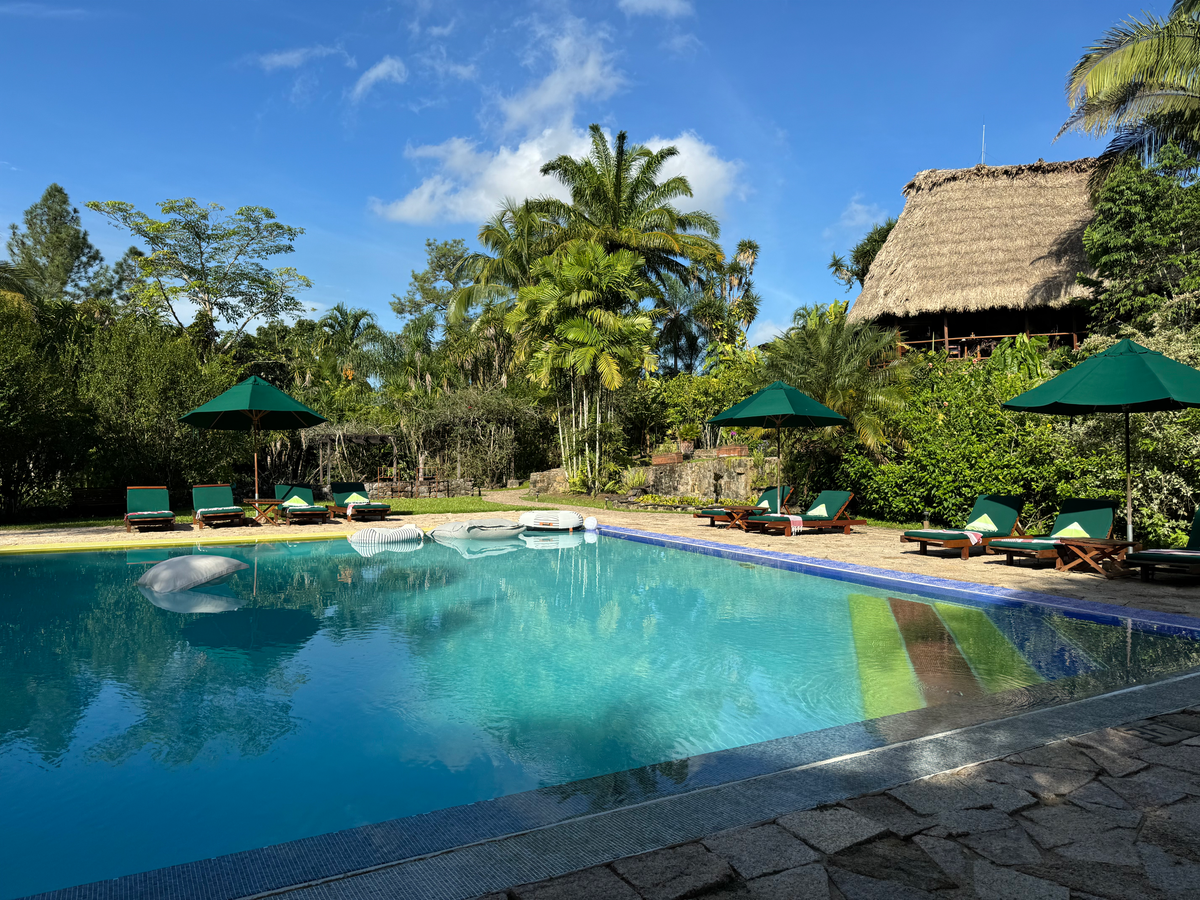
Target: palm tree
pixel 1141 82
pixel 515 238
pixel 681 336
pixel 618 202
pixel 730 305
pixel 346 336
pixel 851 367
pixel 582 331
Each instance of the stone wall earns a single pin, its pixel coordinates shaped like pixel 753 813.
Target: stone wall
pixel 726 477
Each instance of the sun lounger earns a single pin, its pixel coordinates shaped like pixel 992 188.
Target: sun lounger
pixel 994 516
pixel 1185 561
pixel 148 507
pixel 1076 519
pixel 351 500
pixel 297 505
pixel 768 500
pixel 213 505
pixel 826 512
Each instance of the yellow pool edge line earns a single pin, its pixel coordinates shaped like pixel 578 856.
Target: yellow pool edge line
pixel 159 543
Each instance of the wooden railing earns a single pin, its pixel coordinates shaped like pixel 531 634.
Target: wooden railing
pixel 980 346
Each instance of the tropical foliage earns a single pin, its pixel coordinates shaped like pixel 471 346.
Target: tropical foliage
pixel 1139 84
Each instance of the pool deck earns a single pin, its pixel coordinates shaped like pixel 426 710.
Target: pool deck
pixel 1098 797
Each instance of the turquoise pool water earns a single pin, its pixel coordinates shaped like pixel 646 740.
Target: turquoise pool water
pixel 345 689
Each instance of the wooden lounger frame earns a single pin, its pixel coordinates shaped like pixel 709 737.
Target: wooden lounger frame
pixel 167 522
pixel 962 544
pixel 312 515
pixel 214 519
pixel 713 520
pixel 832 524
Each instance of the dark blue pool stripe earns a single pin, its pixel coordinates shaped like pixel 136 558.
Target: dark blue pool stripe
pixel 1048 653
pixel 981 595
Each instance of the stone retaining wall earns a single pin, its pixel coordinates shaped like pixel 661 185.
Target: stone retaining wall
pixel 726 477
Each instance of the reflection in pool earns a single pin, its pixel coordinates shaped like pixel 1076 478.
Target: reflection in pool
pixel 346 689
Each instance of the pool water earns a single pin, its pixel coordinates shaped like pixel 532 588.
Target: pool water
pixel 346 689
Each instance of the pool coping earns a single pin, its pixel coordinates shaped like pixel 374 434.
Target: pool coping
pixel 159 543
pixel 683 812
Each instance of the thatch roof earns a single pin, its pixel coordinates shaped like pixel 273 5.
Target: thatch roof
pixel 983 238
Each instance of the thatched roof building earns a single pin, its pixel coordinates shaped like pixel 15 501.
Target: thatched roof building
pixel 985 251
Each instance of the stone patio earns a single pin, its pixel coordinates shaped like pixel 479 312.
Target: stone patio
pixel 1110 814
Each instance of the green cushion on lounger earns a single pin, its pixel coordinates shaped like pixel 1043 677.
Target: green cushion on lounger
pixel 1039 543
pixel 1165 557
pixel 768 517
pixel 1093 517
pixel 827 505
pixel 715 513
pixel 769 499
pixel 149 514
pixel 342 490
pixel 301 492
pixel 214 499
pixel 147 499
pixel 222 510
pixel 992 515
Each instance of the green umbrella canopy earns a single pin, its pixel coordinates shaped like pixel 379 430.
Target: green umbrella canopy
pixel 779 405
pixel 1125 378
pixel 253 404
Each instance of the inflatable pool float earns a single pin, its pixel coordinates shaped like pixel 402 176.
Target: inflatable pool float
pixel 470 548
pixel 477 530
pixel 405 534
pixel 550 540
pixel 191 602
pixel 551 520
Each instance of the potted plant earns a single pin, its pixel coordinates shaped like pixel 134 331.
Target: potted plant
pixel 728 444
pixel 666 454
pixel 686 436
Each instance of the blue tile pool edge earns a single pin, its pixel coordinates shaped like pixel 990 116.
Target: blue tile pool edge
pixel 871 576
pixel 340 854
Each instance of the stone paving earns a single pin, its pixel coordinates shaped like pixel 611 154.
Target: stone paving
pixel 1111 814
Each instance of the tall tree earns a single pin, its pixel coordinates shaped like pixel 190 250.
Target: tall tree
pixel 1144 242
pixel 1140 83
pixel 212 262
pixel 730 305
pixel 855 270
pixel 618 202
pixel 54 248
pixel 851 367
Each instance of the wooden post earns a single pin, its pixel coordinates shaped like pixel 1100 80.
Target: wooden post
pixel 946 332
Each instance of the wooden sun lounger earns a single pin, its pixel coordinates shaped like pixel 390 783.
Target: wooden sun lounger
pixel 812 522
pixel 1005 507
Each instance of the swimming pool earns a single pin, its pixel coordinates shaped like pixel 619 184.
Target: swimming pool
pixel 349 689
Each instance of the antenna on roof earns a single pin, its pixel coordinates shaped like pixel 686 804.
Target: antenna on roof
pixel 983 150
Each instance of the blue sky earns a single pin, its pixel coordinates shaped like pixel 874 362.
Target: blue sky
pixel 375 125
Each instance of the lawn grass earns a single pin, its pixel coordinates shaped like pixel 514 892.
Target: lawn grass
pixel 897 526
pixel 412 507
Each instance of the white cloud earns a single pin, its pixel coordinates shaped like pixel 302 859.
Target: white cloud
pixel 583 70
pixel 683 44
pixel 441 30
pixel 388 69
pixel 469 184
pixel 436 61
pixel 294 59
pixel 857 216
pixel 764 330
pixel 712 179
pixel 669 8
pixel 468 181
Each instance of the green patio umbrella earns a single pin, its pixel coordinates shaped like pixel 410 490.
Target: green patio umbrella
pixel 1125 378
pixel 253 405
pixel 777 406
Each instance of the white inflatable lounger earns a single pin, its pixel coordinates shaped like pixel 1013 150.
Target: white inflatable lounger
pixel 469 548
pixel 405 534
pixel 551 520
pixel 477 530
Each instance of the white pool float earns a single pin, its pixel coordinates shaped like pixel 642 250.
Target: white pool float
pixel 470 548
pixel 408 535
pixel 551 520
pixel 477 530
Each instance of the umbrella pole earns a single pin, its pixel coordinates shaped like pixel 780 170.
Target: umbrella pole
pixel 1128 486
pixel 779 466
pixel 254 441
